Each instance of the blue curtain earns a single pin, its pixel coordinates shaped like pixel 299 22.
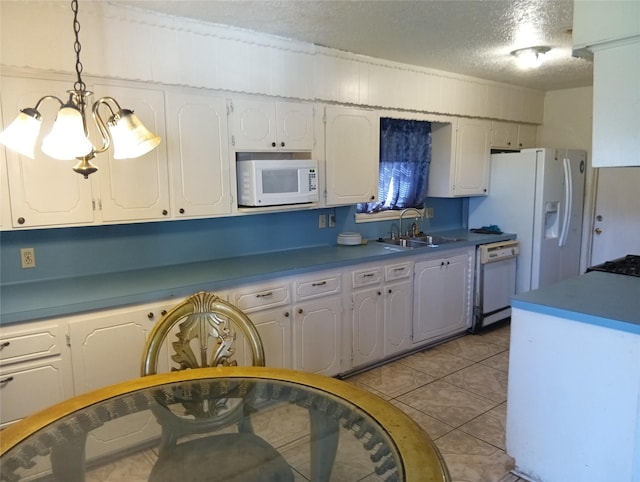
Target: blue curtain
pixel 405 154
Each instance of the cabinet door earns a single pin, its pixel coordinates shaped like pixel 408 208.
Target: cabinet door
pixel 472 157
pixel 527 136
pixel 442 297
pixel 43 191
pixel 199 151
pixel 95 338
pixel 398 310
pixel 317 331
pixel 294 126
pixel 135 189
pixel 253 125
pixel 352 149
pixel 504 135
pixel 616 105
pixel 28 387
pixel 274 327
pixel 106 349
pixel 368 326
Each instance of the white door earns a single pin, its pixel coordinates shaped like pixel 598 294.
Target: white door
pixel 616 227
pixel 397 317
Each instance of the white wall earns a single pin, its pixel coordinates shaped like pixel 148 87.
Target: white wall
pixel 568 116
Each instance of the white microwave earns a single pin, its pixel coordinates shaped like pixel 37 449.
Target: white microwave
pixel 270 182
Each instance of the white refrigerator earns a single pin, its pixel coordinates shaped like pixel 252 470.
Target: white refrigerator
pixel 538 194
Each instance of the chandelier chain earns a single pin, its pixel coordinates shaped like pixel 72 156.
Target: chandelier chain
pixel 79 85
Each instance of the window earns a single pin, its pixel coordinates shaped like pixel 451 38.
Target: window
pixel 405 154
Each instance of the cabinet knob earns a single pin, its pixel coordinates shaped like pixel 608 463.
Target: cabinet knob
pixel 390 290
pixel 282 144
pixel 300 310
pixel 286 314
pixel 181 210
pixel 150 315
pixel 163 312
pixel 379 293
pixel 21 220
pixel 373 198
pixel 165 212
pixel 509 143
pixel 442 263
pixel 273 144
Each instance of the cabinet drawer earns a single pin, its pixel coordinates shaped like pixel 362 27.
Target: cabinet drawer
pixel 29 344
pixel 397 271
pixel 320 286
pixel 259 298
pixel 367 277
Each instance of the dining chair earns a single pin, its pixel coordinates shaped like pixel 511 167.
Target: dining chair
pixel 206 329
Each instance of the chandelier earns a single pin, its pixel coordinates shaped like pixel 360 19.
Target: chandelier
pixel 68 138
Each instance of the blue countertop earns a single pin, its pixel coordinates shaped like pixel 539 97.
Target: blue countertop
pixel 603 299
pixel 50 298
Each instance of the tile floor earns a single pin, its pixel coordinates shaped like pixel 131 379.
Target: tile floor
pixel 456 392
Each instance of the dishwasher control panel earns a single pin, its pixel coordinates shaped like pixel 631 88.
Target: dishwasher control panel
pixel 497 251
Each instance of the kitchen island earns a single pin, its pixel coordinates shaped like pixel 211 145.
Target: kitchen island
pixel 573 409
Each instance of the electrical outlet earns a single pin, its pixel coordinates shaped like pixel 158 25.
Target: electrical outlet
pixel 28 257
pixel 429 213
pixel 322 221
pixel 332 220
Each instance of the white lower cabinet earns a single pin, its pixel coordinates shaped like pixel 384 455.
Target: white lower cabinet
pixel 268 306
pixel 34 369
pixel 106 348
pixel 442 295
pixel 317 323
pixel 381 318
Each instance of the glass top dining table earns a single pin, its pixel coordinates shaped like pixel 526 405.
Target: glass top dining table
pixel 325 429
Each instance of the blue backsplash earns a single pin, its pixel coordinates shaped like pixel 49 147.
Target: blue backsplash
pixel 66 252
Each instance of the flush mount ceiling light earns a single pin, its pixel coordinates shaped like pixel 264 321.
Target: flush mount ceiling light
pixel 530 57
pixel 68 138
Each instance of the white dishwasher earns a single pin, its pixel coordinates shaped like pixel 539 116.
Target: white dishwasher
pixel 495 282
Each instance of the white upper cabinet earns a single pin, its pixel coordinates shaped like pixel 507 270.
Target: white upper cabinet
pixel 267 125
pixel 352 151
pixel 460 163
pixel 135 189
pixel 616 105
pixel 43 191
pixel 199 153
pixel 507 135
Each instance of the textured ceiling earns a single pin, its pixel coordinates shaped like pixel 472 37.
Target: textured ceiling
pixel 470 37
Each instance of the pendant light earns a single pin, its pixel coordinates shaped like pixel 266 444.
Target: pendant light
pixel 68 138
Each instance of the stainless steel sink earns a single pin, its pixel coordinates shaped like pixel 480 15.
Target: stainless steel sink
pixel 422 241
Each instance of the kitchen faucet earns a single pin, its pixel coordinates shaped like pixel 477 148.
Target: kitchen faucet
pixel 419 215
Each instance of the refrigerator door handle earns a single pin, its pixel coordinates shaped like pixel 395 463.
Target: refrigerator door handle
pixel 568 198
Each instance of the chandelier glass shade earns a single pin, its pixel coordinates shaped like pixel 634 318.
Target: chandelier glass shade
pixel 68 138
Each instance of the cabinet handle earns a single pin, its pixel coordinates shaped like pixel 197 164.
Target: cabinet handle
pixel 21 220
pixel 264 295
pixel 399 269
pixel 390 290
pixel 5 344
pixel 368 275
pixel 4 381
pixel 373 198
pixel 379 293
pixel 286 314
pixel 320 283
pixel 282 144
pixel 181 210
pixel 442 263
pixel 509 143
pixel 163 312
pixel 150 315
pixel 273 144
pixel 300 310
pixel 448 263
pixel 165 212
